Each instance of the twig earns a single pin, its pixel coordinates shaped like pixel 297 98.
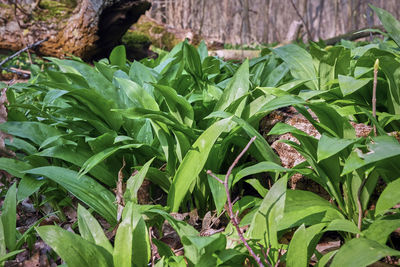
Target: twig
pixel 22 50
pixel 360 210
pixel 234 218
pixel 302 19
pixel 376 67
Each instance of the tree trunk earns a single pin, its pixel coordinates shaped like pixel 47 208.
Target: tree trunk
pixel 89 31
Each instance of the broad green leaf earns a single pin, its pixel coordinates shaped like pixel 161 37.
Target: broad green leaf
pixel 265 223
pixel 361 252
pixel 91 230
pixel 118 56
pixel 202 50
pixel 388 198
pixel 349 85
pixel 135 181
pixel 194 161
pixel 73 249
pixel 101 156
pixel 238 86
pixel 381 229
pixel 342 225
pixel 37 132
pixel 192 60
pixel 3 248
pixel 326 258
pixel 141 244
pixel 308 208
pixel 142 74
pixel 84 188
pixel 14 167
pixel 78 157
pixel 259 168
pixel 139 97
pixel 178 106
pixel 391 24
pixel 122 255
pixel 301 244
pixel 329 146
pixel 300 63
pixel 218 192
pixel 27 186
pixel 9 217
pixel 264 149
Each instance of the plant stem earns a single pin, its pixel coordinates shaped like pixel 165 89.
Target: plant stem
pixel 376 67
pixel 233 216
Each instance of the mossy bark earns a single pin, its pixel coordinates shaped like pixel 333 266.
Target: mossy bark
pixel 89 30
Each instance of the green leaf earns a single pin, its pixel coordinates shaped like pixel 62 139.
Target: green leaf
pixel 27 186
pixel 300 63
pixel 14 167
pixel 194 161
pixel 361 252
pixel 390 23
pixel 388 198
pixel 349 85
pixel 3 248
pixel 308 208
pixel 381 229
pixel 78 157
pixel 101 156
pixel 237 87
pixel 9 255
pixel 218 192
pixel 141 244
pixel 135 181
pixel 329 146
pixel 9 217
pixel 118 56
pixel 73 249
pixel 264 226
pixel 342 225
pixel 35 131
pixel 84 188
pixel 139 96
pixel 192 60
pixel 298 250
pixel 259 168
pixel 123 246
pixel 178 106
pixel 91 230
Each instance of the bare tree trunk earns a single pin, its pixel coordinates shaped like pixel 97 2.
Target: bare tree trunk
pixel 246 30
pixel 91 31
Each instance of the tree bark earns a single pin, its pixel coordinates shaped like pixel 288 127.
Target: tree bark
pixel 92 29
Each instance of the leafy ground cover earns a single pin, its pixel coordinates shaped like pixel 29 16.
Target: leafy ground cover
pixel 130 163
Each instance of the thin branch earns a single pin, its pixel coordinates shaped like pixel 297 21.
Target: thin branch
pixel 302 19
pixel 234 218
pixel 22 50
pixel 376 67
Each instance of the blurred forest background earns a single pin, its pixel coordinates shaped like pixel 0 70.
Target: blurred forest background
pixel 268 21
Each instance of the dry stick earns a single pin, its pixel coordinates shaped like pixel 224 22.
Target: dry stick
pixel 119 194
pixel 233 216
pixel 22 50
pixel 302 19
pixel 360 211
